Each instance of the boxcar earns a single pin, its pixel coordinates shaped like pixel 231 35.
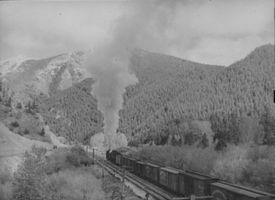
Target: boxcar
pixel 224 191
pixel 131 164
pixel 124 161
pixel 118 159
pixel 128 162
pixel 139 168
pixel 194 183
pixel 168 178
pixel 151 172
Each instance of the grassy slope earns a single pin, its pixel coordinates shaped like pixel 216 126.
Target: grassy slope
pixel 14 144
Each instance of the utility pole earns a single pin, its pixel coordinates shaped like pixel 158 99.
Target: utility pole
pixel 123 183
pixel 93 155
pixel 147 196
pixel 102 172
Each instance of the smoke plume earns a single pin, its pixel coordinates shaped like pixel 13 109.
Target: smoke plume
pixel 109 62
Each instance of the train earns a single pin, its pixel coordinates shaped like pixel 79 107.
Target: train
pixel 184 182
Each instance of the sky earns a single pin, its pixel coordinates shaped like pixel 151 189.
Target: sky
pixel 207 31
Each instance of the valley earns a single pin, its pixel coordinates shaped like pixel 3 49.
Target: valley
pixel 177 106
pixel 174 98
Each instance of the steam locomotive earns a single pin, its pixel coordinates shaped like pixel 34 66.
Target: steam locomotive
pixel 184 182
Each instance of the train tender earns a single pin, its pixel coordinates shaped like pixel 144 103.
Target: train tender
pixel 183 182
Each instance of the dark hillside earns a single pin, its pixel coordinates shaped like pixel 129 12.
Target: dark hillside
pixel 171 89
pixel 161 79
pixel 73 112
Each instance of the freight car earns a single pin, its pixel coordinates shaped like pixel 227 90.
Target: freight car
pixel 151 172
pixel 194 183
pixel 184 182
pixel 128 163
pixel 139 168
pixel 168 179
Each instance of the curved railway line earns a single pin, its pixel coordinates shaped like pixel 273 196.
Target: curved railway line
pixel 150 190
pixel 166 183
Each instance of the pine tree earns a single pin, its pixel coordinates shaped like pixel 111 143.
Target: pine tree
pixel 1 84
pixel 19 105
pixel 28 107
pixel 204 141
pixel 8 103
pixel 268 123
pixel 42 132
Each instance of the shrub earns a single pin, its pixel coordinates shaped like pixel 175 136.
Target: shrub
pixel 8 102
pixel 19 105
pixel 185 157
pixel 30 180
pixel 57 161
pixel 14 124
pixel 260 173
pixel 232 163
pixel 42 132
pixel 248 165
pixel 64 158
pixel 133 143
pixel 5 176
pixel 73 159
pixel 29 177
pixel 6 191
pixel 78 156
pixel 5 184
pixel 26 131
pixel 77 184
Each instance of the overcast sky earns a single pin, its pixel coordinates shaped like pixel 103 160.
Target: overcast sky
pixel 207 31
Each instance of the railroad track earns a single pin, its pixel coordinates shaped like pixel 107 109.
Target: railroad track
pixel 150 189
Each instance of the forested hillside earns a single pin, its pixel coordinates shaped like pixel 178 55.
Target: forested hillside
pixel 172 92
pixel 73 112
pixel 58 88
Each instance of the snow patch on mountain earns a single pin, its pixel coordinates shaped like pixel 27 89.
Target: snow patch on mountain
pixel 11 65
pixel 45 76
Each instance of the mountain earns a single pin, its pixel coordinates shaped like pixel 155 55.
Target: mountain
pixel 27 78
pixel 59 88
pixel 173 99
pixel 172 91
pixel 162 79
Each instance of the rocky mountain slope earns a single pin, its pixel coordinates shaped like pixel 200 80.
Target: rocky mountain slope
pixel 58 87
pixel 27 78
